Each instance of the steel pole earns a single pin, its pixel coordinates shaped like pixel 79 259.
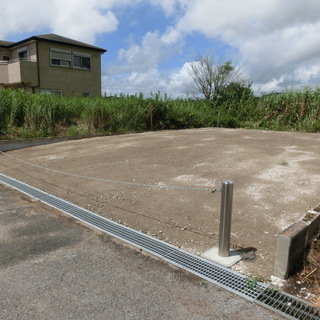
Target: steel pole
pixel 225 218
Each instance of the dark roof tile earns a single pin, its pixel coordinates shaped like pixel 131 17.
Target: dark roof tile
pixel 51 37
pixel 54 38
pixel 5 43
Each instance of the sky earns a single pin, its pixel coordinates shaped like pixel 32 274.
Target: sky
pixel 151 43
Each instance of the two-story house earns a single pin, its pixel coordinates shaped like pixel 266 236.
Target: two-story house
pixel 51 63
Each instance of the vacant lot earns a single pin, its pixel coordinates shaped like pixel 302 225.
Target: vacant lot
pixel 276 176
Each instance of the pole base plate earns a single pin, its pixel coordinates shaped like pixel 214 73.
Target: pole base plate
pixel 213 255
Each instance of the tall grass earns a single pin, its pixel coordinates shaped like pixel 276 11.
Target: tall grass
pixel 28 115
pixel 289 110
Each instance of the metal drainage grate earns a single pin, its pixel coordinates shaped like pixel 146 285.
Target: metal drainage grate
pixel 219 275
pixel 287 305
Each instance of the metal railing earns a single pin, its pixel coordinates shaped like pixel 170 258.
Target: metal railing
pixel 6 62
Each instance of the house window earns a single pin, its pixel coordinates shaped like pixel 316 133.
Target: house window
pixel 5 60
pixel 23 54
pixel 66 58
pixel 81 61
pixel 50 91
pixel 60 58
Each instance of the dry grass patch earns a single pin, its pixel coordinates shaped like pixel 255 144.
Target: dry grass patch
pixel 310 275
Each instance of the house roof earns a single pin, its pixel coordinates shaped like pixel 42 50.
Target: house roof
pixel 53 38
pixel 5 43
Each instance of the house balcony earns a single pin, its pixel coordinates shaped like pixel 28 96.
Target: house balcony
pixel 18 72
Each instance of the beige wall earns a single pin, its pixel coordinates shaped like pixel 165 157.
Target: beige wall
pixel 29 72
pixel 4 77
pixel 19 71
pixel 32 51
pixel 14 72
pixel 69 80
pixel 4 52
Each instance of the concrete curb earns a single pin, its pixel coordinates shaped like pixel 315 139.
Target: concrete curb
pixel 7 145
pixel 292 242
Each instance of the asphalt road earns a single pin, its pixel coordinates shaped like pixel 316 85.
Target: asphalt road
pixel 52 267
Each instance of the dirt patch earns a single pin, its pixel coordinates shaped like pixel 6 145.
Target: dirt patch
pixel 276 176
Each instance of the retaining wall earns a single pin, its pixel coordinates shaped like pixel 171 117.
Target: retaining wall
pixel 292 242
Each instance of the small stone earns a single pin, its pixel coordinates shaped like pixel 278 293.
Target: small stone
pixel 277 281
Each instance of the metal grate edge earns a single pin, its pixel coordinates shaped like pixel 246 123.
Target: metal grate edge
pixel 285 304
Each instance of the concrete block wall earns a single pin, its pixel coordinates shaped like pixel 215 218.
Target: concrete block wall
pixel 292 243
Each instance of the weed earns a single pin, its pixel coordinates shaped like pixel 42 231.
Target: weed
pixel 43 115
pixel 203 283
pixel 252 281
pixel 308 217
pixel 316 299
pixel 72 131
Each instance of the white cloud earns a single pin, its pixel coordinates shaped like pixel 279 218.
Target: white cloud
pixel 137 67
pixel 300 77
pixel 234 20
pixel 78 19
pixel 275 38
pixel 82 20
pixel 277 41
pixel 172 36
pixel 174 82
pixel 146 56
pixel 142 57
pixel 283 50
pixel 170 7
pixel 167 5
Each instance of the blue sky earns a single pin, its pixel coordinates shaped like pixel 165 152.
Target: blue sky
pixel 151 43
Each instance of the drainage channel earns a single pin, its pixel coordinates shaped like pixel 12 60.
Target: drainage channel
pixel 287 305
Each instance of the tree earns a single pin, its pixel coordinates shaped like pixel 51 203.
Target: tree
pixel 210 79
pixel 235 92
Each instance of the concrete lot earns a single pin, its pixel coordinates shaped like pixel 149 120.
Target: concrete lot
pixel 53 268
pixel 276 176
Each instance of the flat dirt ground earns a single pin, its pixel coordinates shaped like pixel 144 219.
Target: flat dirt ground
pixel 276 179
